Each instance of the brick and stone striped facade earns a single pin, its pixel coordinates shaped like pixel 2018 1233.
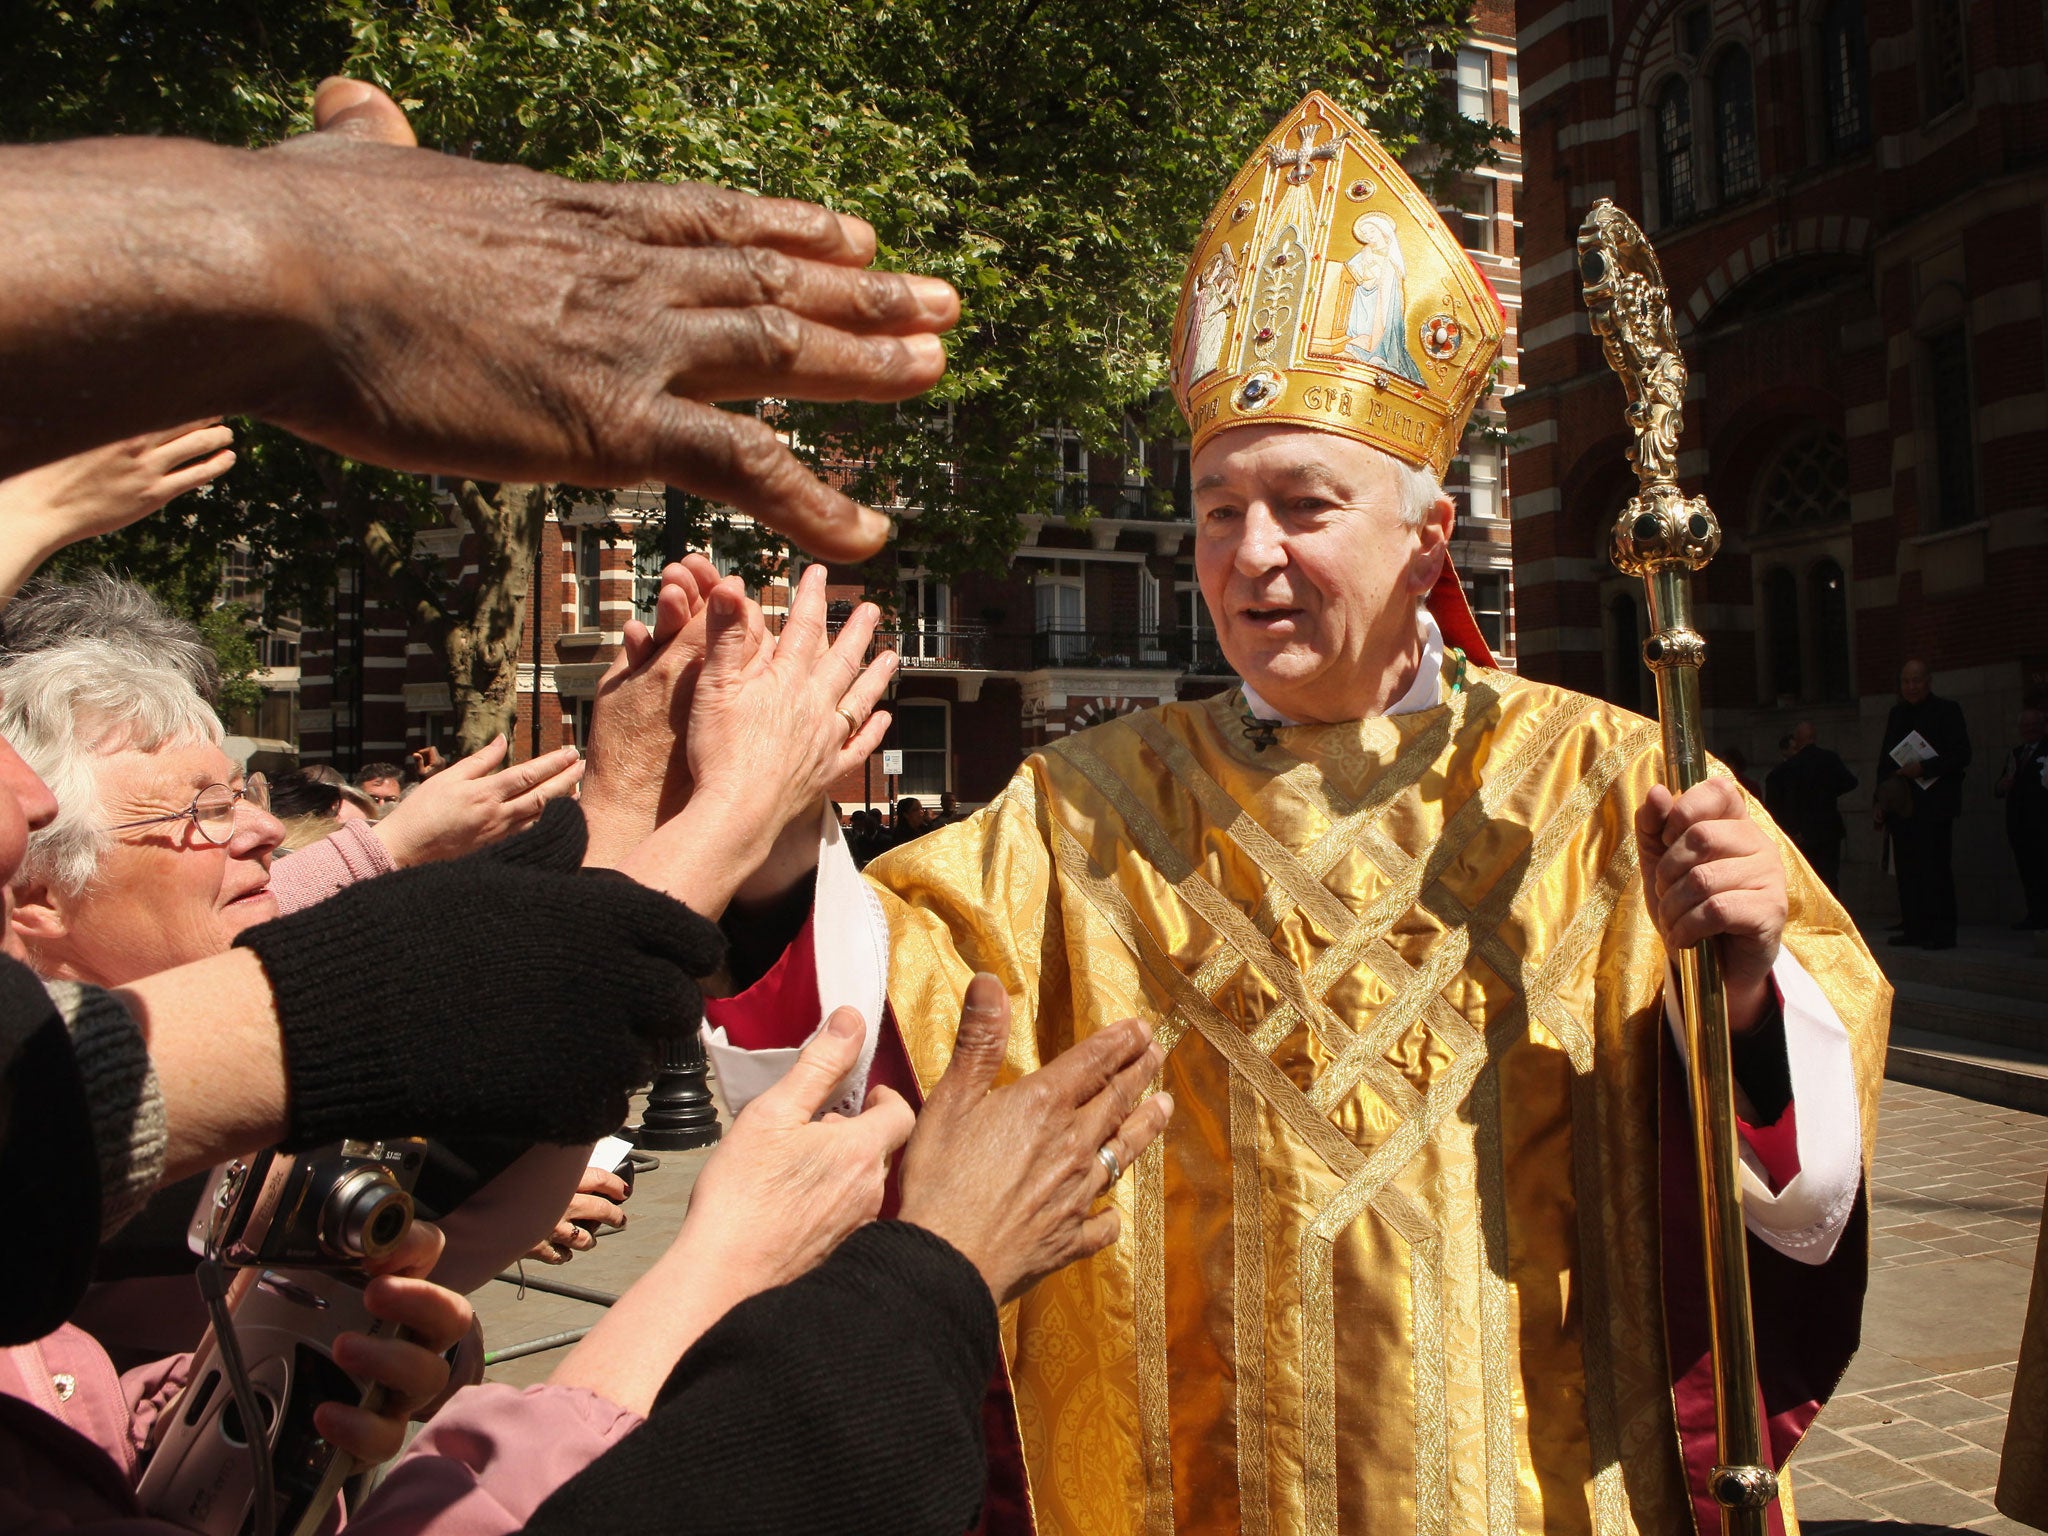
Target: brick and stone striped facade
pixel 1859 291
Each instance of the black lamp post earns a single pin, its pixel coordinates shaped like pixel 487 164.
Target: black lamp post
pixel 680 1113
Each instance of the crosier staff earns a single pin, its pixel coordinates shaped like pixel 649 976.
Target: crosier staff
pixel 1663 536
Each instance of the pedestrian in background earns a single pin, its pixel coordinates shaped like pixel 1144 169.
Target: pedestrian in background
pixel 1802 795
pixel 1920 769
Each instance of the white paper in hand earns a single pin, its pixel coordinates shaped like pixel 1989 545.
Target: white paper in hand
pixel 1915 748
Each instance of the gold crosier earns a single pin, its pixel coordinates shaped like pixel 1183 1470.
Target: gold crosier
pixel 1663 536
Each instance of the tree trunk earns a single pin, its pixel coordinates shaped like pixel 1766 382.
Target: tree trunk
pixel 482 647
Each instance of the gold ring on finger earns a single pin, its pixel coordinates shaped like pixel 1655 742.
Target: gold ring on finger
pixel 1106 1155
pixel 852 723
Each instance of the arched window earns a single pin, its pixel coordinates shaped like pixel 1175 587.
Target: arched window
pixel 1827 605
pixel 1674 151
pixel 1844 78
pixel 1783 664
pixel 1735 154
pixel 1627 675
pixel 1807 485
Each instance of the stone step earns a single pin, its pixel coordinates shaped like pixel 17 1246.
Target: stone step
pixel 2009 1075
pixel 1968 1015
pixel 2006 972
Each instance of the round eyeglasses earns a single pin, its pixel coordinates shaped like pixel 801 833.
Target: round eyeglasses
pixel 212 811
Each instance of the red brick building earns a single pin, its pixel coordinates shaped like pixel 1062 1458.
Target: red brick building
pixel 1849 199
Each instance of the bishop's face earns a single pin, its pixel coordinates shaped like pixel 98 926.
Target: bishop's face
pixel 1309 570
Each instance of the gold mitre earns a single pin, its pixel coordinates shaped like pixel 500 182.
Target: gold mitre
pixel 1326 293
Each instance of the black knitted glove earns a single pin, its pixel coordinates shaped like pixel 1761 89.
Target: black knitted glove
pixel 504 993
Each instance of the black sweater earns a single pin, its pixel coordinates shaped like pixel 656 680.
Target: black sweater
pixel 847 1401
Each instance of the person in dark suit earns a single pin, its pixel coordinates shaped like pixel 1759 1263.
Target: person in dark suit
pixel 2026 813
pixel 1801 795
pixel 1917 804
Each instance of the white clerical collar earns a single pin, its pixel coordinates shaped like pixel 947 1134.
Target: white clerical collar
pixel 1424 693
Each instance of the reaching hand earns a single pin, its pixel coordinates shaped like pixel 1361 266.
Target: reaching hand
pixel 784 1189
pixel 599 1196
pixel 1010 1178
pixel 467 805
pixel 637 776
pixel 1709 870
pixel 410 1368
pixel 495 322
pixel 100 490
pixel 774 721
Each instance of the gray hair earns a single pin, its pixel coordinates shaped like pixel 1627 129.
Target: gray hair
pixel 1420 491
pixel 72 701
pixel 98 606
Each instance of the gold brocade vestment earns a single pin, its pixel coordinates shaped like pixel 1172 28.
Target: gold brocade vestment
pixel 1392 1266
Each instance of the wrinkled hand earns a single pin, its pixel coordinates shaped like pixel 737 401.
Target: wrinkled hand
pixel 468 805
pixel 1708 871
pixel 783 1189
pixel 1010 1178
pixel 597 1201
pixel 637 776
pixel 765 729
pixel 409 1369
pixel 102 489
pixel 509 325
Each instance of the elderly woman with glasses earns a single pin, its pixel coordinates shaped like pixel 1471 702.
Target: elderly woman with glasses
pixel 160 850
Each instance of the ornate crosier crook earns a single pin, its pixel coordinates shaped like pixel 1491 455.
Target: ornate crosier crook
pixel 1663 536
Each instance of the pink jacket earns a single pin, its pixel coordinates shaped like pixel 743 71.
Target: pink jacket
pixel 69 1457
pixel 350 853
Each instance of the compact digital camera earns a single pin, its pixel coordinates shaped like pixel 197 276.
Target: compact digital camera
pixel 333 1208
pixel 299 1228
pixel 198 1475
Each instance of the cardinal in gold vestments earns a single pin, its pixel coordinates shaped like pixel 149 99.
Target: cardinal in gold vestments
pixel 1414 1254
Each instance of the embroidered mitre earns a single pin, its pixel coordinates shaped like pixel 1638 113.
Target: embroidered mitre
pixel 1325 292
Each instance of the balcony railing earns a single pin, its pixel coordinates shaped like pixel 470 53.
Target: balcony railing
pixel 1095 646
pixel 976 647
pixel 1109 500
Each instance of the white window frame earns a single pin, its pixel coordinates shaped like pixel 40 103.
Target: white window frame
pixel 945 708
pixel 921 639
pixel 1473 74
pixel 1069 637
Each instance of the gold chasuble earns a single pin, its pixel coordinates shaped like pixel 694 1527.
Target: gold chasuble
pixel 1393 1265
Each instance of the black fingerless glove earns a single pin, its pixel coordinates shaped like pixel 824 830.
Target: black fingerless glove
pixel 505 993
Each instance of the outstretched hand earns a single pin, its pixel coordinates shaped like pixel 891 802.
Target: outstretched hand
pixel 638 775
pixel 44 509
pixel 1710 871
pixel 1011 1177
pixel 510 325
pixel 472 803
pixel 784 1188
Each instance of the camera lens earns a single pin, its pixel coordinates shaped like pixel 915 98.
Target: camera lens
pixel 365 1215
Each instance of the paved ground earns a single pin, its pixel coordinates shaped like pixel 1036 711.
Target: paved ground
pixel 1914 1434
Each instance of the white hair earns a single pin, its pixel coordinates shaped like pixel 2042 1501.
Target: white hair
pixel 1420 490
pixel 66 705
pixel 100 606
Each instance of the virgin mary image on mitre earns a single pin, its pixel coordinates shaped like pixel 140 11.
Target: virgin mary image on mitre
pixel 1377 277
